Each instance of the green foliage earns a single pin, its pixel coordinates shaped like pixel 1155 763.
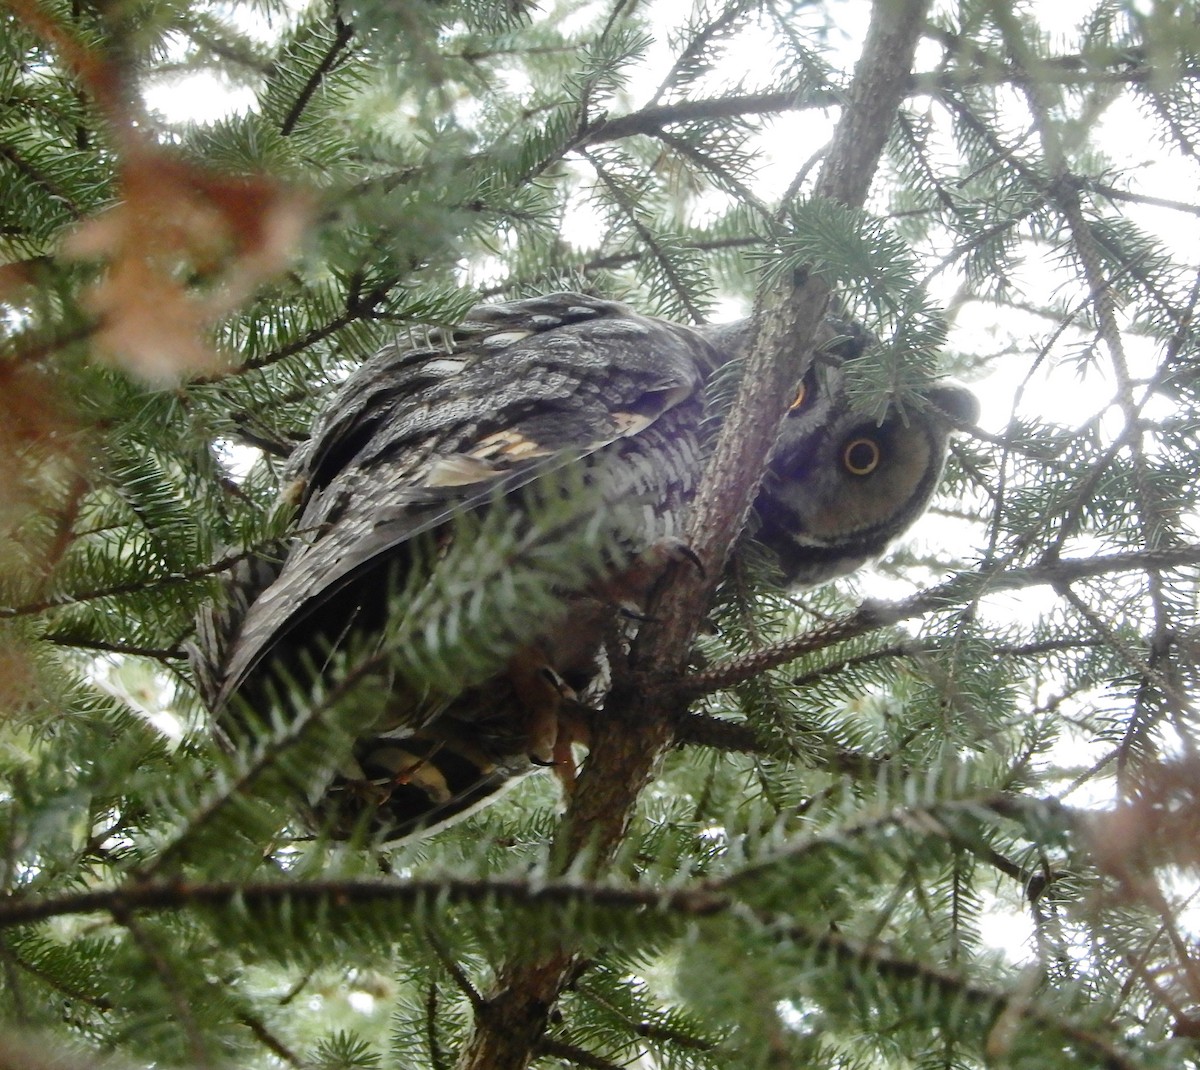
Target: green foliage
pixel 994 729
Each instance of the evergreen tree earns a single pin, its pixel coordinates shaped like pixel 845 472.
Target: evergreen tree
pixel 804 818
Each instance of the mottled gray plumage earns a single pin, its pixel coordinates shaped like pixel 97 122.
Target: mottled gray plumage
pixel 520 390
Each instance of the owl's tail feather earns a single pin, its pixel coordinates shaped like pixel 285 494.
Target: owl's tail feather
pixel 404 787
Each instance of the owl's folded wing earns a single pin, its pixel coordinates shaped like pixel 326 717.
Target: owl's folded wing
pixel 417 435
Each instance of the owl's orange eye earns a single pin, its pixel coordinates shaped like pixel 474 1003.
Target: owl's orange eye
pixel 798 400
pixel 861 456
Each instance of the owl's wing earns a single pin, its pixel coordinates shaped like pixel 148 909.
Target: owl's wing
pixel 418 434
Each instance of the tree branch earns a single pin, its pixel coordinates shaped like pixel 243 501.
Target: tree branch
pixel 29 609
pixel 959 591
pixel 157 896
pixel 343 31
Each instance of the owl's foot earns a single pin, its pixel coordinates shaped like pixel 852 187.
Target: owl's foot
pixel 541 692
pixel 573 728
pixel 671 550
pixel 633 587
pixel 555 720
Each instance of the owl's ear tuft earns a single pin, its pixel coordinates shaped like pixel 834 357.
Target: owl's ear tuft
pixel 956 401
pixel 844 338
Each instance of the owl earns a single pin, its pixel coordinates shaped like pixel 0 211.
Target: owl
pixel 563 407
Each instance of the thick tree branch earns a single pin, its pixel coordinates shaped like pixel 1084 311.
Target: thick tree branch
pixel 406 898
pixel 156 896
pixel 1069 70
pixel 574 1055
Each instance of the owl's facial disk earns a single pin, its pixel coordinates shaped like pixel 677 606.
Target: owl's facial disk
pixel 853 485
pixel 840 487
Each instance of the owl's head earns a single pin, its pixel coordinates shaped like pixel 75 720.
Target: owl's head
pixel 842 485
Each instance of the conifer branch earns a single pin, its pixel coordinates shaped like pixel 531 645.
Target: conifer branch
pixel 29 609
pixel 36 175
pixel 355 312
pixel 718 733
pixel 1112 193
pixel 721 172
pixel 1089 249
pixel 703 901
pixel 461 981
pixel 919 648
pixel 343 32
pixel 573 1054
pixel 270 1041
pixel 959 591
pixel 738 737
pixel 102 79
pixel 268 759
pixel 151 895
pixel 1060 192
pixel 74 992
pixel 436 1056
pixel 694 51
pixel 1126 65
pixel 611 261
pixel 197 1042
pixel 629 209
pixel 156 896
pixel 33 346
pixel 1065 71
pixel 100 646
pixel 651 1030
pixel 852 954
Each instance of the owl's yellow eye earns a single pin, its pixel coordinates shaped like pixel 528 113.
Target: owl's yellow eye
pixel 798 400
pixel 861 456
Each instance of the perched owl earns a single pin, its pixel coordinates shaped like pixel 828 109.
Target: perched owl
pixel 563 396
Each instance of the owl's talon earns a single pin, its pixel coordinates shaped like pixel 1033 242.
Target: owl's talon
pixel 633 587
pixel 631 613
pixel 670 550
pixel 569 732
pixel 682 551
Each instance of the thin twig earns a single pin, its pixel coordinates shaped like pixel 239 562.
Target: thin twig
pixel 959 591
pixel 343 31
